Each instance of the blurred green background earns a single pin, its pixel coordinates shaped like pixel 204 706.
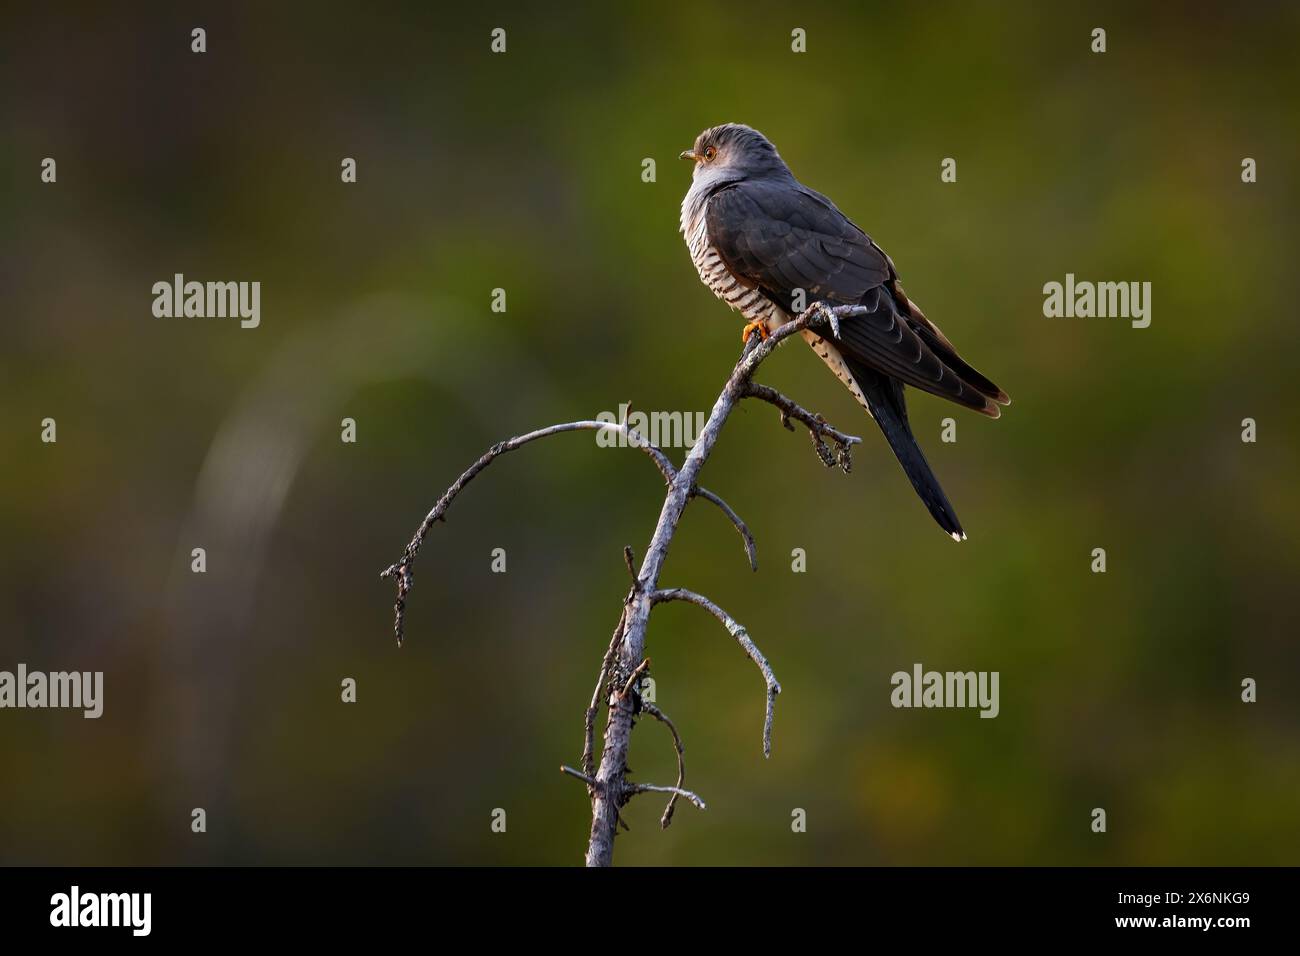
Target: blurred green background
pixel 523 171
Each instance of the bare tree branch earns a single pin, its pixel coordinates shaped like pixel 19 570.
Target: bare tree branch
pixel 751 550
pixel 818 428
pixel 625 661
pixel 660 716
pixel 402 569
pixel 584 777
pixel 618 727
pixel 632 789
pixel 746 644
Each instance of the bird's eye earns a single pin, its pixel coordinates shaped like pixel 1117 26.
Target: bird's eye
pixel 709 153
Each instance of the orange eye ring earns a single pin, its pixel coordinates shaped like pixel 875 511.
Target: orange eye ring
pixel 709 153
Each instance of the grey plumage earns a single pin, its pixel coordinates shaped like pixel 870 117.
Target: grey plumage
pixel 757 235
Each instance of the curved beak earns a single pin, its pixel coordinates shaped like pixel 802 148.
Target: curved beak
pixel 689 154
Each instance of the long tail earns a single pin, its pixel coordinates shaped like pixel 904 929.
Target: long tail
pixel 887 406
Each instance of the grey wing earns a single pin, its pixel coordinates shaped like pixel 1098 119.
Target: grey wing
pixel 779 237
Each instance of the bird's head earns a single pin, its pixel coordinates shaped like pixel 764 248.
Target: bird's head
pixel 733 152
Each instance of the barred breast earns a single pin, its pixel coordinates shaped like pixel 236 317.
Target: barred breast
pixel 745 299
pixel 751 303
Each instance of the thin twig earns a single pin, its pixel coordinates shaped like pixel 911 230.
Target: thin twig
pixel 746 643
pixel 818 428
pixel 589 780
pixel 660 716
pixel 751 550
pixel 634 788
pixel 634 678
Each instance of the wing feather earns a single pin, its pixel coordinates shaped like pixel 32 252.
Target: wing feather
pixel 779 236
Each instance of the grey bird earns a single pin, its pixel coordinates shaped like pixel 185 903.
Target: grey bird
pixel 758 237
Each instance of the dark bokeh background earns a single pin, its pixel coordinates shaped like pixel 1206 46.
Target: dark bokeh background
pixel 522 171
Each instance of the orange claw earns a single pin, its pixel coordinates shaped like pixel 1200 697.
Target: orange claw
pixel 760 326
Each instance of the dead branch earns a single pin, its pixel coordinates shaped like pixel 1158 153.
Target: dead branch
pixel 584 777
pixel 751 550
pixel 630 790
pixel 660 716
pixel 611 773
pixel 818 429
pixel 624 660
pixel 403 568
pixel 746 644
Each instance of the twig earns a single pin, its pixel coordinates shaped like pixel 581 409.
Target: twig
pixel 585 778
pixel 818 428
pixel 633 678
pixel 630 790
pixel 634 788
pixel 660 716
pixel 746 643
pixel 751 550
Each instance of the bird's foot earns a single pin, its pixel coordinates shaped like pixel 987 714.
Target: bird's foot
pixel 759 326
pixel 830 316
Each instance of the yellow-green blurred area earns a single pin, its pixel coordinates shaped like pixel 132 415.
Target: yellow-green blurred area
pixel 523 171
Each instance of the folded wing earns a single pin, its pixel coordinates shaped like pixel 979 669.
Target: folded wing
pixel 780 239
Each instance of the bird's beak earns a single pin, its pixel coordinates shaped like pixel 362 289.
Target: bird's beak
pixel 689 154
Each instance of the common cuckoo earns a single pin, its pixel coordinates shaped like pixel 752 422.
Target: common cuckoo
pixel 764 243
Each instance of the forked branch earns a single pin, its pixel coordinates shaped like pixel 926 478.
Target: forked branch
pixel 624 662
